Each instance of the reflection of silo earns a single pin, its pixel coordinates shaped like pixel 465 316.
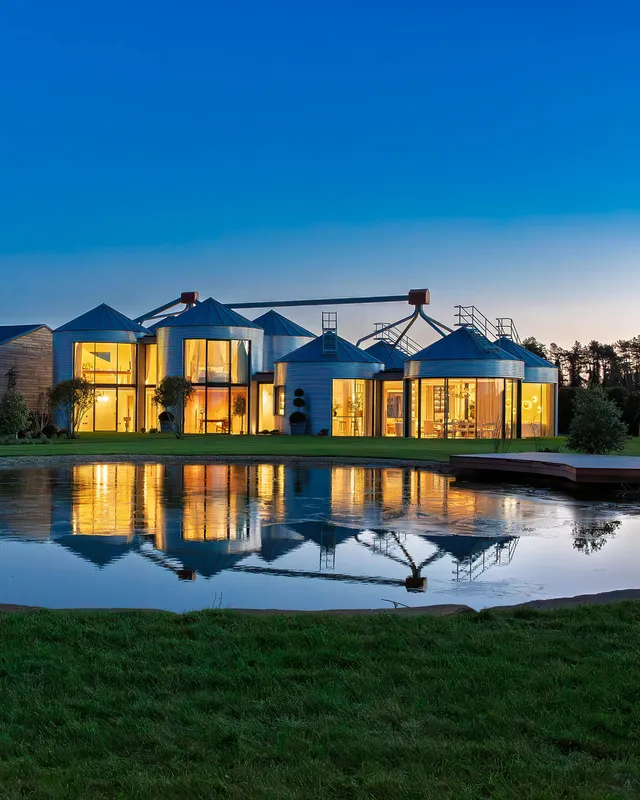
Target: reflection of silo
pixel 326 375
pixel 281 337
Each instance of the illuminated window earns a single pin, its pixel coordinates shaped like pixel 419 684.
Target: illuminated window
pixel 279 400
pixel 351 407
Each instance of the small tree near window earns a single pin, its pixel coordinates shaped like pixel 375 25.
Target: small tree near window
pixel 14 413
pixel 173 393
pixel 239 408
pixel 73 398
pixel 597 426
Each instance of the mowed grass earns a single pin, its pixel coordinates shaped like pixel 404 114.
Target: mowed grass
pixel 166 444
pixel 523 704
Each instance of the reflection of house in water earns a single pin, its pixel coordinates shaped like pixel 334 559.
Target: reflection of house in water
pixel 212 517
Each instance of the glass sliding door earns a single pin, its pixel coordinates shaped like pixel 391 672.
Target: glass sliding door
pixel 217 419
pixel 538 409
pixel 106 365
pixel 391 410
pixel 351 407
pixel 266 420
pixel 433 404
pixel 105 410
pixel 490 408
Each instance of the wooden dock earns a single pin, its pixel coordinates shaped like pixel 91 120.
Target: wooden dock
pixel 570 468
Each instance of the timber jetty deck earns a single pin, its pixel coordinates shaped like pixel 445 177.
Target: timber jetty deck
pixel 574 469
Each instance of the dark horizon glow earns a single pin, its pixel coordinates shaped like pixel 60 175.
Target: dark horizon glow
pixel 486 151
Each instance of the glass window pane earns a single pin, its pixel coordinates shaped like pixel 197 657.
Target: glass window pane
pixel 106 361
pixel 151 364
pixel 548 409
pixel 84 361
pixel 217 411
pixel 531 409
pixel 195 360
pixel 239 410
pixel 151 410
pixel 391 408
pixel 490 403
pixel 413 408
pixel 217 361
pixel 461 419
pixel 433 402
pixel 350 407
pixel 239 362
pixel 265 410
pixel 126 410
pixel 105 410
pixel 86 423
pixel 194 412
pixel 280 400
pixel 126 363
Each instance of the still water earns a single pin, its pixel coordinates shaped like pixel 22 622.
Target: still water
pixel 190 536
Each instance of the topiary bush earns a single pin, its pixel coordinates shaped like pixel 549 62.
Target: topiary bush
pixel 597 426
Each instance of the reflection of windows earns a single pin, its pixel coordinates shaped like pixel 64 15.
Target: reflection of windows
pixel 278 393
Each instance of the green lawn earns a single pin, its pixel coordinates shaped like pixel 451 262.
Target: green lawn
pixel 535 705
pixel 167 444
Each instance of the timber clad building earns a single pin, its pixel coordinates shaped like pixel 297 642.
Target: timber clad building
pixel 25 361
pixel 473 382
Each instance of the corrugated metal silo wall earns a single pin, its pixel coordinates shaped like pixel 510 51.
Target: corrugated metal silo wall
pixel 464 368
pixel 276 347
pixel 540 374
pixel 315 378
pixel 171 344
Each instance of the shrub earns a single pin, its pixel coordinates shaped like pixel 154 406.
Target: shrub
pixel 174 392
pixel 50 430
pixel 597 425
pixel 14 413
pixel 73 398
pixel 298 416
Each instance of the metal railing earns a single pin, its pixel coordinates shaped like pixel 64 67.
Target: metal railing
pixel 394 336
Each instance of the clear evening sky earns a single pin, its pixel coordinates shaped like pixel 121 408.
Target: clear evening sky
pixel 489 151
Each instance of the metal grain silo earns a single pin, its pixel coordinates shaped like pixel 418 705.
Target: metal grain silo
pixel 464 387
pixel 206 320
pixel 340 375
pixel 219 350
pixel 102 346
pixel 281 337
pixel 539 395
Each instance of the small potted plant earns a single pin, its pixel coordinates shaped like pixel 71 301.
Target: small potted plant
pixel 298 420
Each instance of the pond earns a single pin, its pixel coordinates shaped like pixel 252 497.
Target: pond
pixel 191 536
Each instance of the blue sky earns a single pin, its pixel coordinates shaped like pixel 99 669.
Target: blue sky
pixel 488 151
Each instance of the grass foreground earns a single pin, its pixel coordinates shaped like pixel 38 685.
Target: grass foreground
pixel 218 704
pixel 197 445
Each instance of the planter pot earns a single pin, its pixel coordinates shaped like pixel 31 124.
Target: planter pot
pixel 166 427
pixel 298 428
pixel 415 584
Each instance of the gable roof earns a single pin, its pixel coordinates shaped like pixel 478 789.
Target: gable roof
pixel 9 332
pixel 102 318
pixel 530 359
pixel 313 351
pixel 207 313
pixel 463 344
pixel 391 357
pixel 274 324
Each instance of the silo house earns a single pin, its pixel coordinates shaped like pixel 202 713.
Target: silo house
pixel 389 389
pixel 539 391
pixel 281 337
pixel 337 379
pixel 463 387
pixel 218 350
pixel 102 347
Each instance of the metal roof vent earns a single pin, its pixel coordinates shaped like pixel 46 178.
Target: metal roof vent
pixel 329 333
